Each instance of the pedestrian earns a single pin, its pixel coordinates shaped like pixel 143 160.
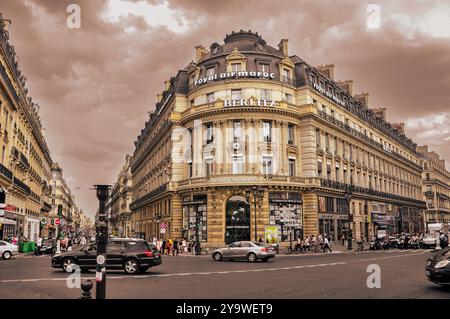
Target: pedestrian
pixel 158 245
pixel 260 240
pixel 299 245
pixel 326 244
pixel 315 243
pixel 320 240
pixel 175 247
pixel 38 245
pixel 163 246
pixel 343 238
pixel 306 244
pixel 168 246
pixel 183 245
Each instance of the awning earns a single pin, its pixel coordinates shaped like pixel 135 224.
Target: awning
pixel 5 221
pixel 3 190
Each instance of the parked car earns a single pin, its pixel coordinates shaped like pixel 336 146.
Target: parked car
pixel 131 255
pixel 7 250
pixel 249 250
pixel 438 267
pixel 429 241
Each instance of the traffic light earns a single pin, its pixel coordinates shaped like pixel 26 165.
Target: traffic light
pixel 60 211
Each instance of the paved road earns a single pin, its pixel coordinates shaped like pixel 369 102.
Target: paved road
pixel 336 275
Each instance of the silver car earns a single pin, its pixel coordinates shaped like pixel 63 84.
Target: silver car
pixel 250 250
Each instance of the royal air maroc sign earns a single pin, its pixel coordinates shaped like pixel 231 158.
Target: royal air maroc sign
pixel 234 75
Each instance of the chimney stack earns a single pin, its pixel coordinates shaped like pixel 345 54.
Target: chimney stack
pixel 346 85
pixel 200 52
pixel 399 126
pixel 363 97
pixel 327 70
pixel 283 46
pixel 380 112
pixel 166 85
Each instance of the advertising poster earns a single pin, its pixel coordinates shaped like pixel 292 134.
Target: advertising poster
pixel 271 234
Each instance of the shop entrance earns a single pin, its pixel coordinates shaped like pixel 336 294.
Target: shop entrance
pixel 237 219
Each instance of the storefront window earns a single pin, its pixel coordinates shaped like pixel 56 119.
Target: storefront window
pixel 237 219
pixel 286 211
pixel 195 213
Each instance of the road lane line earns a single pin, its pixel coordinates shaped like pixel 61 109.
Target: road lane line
pixel 396 256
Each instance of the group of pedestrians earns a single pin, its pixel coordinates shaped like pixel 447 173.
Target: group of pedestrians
pixel 314 243
pixel 174 247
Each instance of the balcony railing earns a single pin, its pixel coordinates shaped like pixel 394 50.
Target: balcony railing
pixel 6 172
pixel 429 194
pixel 22 186
pixel 149 196
pixel 24 161
pixel 357 189
pixel 15 152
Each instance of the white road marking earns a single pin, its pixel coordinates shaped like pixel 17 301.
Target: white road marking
pixel 378 258
pixel 183 274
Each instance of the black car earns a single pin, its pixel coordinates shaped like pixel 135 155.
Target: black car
pixel 438 267
pixel 131 255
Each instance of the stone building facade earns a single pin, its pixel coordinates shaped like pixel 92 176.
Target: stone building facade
pixel 248 136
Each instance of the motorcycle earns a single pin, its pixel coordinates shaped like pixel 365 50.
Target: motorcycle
pixel 443 241
pixel 375 244
pixel 404 243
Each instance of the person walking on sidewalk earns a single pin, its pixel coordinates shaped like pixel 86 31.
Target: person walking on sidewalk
pixel 315 243
pixel 163 246
pixel 306 244
pixel 175 247
pixel 38 246
pixel 326 244
pixel 320 240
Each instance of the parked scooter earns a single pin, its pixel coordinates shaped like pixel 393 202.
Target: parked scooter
pixel 443 239
pixel 404 242
pixel 375 244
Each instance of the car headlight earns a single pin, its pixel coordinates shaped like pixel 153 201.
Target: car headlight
pixel 442 264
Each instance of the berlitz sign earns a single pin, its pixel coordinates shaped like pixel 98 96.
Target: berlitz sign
pixel 238 74
pixel 248 102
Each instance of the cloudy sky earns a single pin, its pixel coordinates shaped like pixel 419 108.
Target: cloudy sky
pixel 96 84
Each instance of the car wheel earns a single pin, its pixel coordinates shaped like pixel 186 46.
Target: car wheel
pixel 6 255
pixel 252 257
pixel 68 264
pixel 131 266
pixel 217 256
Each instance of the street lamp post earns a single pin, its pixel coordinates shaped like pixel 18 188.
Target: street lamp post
pixel 197 234
pixel 348 197
pixel 258 193
pixel 102 240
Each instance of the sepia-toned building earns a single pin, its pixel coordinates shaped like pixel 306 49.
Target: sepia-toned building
pixel 435 186
pixel 249 136
pixel 25 161
pixel 119 201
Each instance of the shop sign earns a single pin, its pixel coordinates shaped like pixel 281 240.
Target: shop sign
pixel 237 179
pixel 286 201
pixel 238 74
pixel 271 234
pixel 380 217
pixel 194 202
pixel 10 208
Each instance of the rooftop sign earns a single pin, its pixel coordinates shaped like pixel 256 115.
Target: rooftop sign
pixel 237 74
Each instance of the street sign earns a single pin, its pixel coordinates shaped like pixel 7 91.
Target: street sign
pixel 44 220
pixel 162 225
pixel 57 221
pixel 63 222
pixel 163 231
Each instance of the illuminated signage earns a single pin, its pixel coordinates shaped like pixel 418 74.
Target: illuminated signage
pixel 238 74
pixel 328 94
pixel 249 102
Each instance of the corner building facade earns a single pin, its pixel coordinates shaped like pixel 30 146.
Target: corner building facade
pixel 249 136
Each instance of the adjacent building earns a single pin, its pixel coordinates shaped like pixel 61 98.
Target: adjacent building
pixel 31 185
pixel 119 202
pixel 435 186
pixel 249 136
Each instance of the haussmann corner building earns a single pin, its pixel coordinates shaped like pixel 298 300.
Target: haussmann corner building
pixel 248 136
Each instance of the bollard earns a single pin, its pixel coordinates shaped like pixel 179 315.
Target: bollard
pixel 86 286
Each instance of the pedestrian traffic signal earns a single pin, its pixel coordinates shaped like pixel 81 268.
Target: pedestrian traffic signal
pixel 60 211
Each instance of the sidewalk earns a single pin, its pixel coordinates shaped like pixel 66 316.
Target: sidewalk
pixel 336 247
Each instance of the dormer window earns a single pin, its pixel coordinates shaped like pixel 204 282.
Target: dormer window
pixel 286 74
pixel 211 71
pixel 236 67
pixel 263 67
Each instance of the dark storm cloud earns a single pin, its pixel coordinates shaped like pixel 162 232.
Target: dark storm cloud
pixel 95 85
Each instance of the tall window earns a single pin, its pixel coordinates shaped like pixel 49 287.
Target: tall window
pixel 267 131
pixel 235 67
pixel 210 97
pixel 209 133
pixel 318 144
pixel 327 142
pixel 286 74
pixel 319 168
pixel 267 165
pixel 263 67
pixel 237 132
pixel 210 71
pixel 290 134
pixel 288 98
pixel 335 145
pixel 291 167
pixel 328 170
pixel 266 94
pixel 236 94
pixel 237 164
pixel 209 167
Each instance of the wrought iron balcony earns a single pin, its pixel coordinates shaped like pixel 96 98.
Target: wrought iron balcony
pixel 24 161
pixel 22 186
pixel 6 172
pixel 429 194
